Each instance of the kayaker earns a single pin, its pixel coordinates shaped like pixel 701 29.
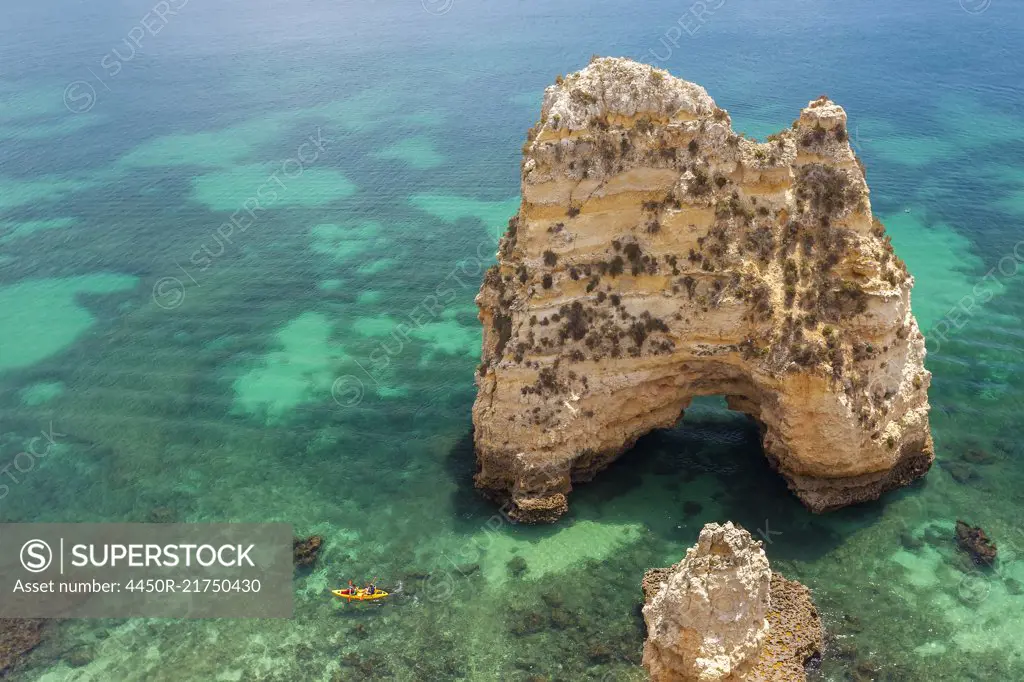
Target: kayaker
pixel 370 589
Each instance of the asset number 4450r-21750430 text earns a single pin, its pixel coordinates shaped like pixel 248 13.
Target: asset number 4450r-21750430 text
pixel 193 585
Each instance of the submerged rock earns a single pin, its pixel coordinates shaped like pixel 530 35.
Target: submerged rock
pixel 517 566
pixel 978 456
pixel 722 614
pixel 961 473
pixel 162 515
pixel 80 656
pixel 528 622
pixel 910 541
pixel 552 599
pixel 467 569
pixel 306 550
pixel 658 255
pixel 973 540
pixel 599 652
pixel 1005 446
pixel 18 636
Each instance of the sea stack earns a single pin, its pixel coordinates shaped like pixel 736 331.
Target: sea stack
pixel 722 614
pixel 657 255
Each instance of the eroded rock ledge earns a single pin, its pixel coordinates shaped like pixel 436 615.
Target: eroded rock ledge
pixel 658 255
pixel 722 614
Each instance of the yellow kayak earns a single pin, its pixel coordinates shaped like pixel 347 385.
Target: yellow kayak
pixel 359 595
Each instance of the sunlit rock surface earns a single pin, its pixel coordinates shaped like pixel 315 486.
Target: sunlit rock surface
pixel 656 256
pixel 722 614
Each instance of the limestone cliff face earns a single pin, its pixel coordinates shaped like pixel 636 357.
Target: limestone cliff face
pixel 656 256
pixel 722 614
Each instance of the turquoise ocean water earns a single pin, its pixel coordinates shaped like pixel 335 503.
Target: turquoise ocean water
pixel 283 369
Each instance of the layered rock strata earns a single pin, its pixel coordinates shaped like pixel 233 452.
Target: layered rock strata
pixel 722 614
pixel 658 255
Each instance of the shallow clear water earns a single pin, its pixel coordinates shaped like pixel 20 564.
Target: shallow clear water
pixel 265 374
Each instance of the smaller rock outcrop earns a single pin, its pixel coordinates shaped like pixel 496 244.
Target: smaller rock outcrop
pixel 708 619
pixel 972 539
pixel 722 614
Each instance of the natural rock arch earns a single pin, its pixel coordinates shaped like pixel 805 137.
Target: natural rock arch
pixel 656 256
